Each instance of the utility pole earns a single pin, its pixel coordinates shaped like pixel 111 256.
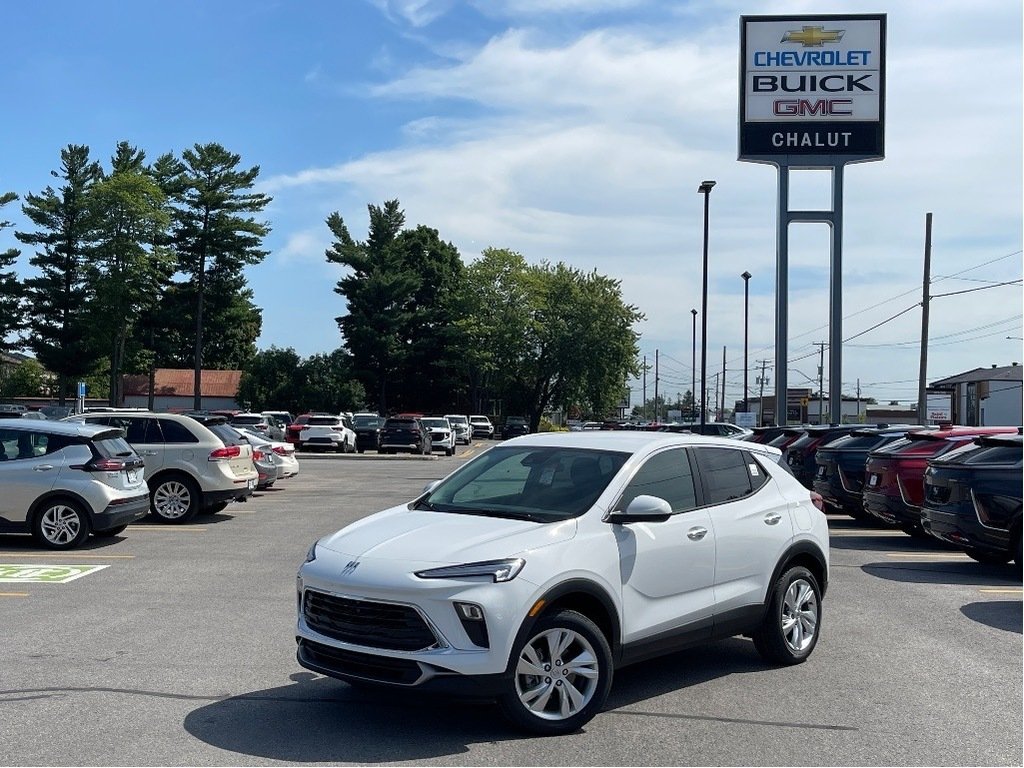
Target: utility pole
pixel 722 414
pixel 657 409
pixel 922 404
pixel 858 400
pixel 716 397
pixel 760 397
pixel 645 387
pixel 821 380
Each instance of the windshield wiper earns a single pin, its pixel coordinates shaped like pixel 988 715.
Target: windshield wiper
pixel 506 514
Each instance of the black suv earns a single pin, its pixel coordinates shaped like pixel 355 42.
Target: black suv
pixel 405 434
pixel 367 427
pixel 514 427
pixel 972 498
pixel 840 475
pixel 799 455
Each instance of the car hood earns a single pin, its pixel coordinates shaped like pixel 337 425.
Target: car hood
pixel 422 536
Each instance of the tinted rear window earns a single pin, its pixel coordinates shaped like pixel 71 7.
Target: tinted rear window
pixel 111 447
pixel 324 421
pixel 400 424
pixel 228 435
pixel 1006 455
pixel 174 432
pixel 724 473
pixel 367 421
pixel 246 420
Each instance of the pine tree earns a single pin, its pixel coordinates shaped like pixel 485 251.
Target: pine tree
pixel 12 310
pixel 60 294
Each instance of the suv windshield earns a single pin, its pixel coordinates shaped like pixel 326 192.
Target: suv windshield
pixel 542 484
pixel 435 423
pixel 367 421
pixel 248 419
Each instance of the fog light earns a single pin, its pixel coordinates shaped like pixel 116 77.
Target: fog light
pixel 470 611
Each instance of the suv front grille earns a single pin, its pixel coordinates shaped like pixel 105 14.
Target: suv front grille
pixel 367 623
pixel 382 668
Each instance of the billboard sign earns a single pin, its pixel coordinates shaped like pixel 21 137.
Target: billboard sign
pixel 813 86
pixel 939 407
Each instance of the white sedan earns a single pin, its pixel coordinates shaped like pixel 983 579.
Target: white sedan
pixel 282 453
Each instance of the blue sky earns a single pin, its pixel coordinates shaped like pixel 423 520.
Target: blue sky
pixel 574 130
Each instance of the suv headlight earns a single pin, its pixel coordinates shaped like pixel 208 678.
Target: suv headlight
pixel 311 554
pixel 498 570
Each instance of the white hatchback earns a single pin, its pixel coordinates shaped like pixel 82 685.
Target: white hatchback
pixel 541 566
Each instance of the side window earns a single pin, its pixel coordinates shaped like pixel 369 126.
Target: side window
pixel 724 474
pixel 666 475
pixel 758 475
pixel 56 443
pixel 15 444
pixel 174 432
pixel 137 430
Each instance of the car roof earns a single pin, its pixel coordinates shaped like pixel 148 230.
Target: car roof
pixel 73 428
pixel 634 441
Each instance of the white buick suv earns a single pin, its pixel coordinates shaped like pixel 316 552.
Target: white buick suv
pixel 539 568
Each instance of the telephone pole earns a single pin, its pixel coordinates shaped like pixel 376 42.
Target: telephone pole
pixel 922 397
pixel 821 380
pixel 760 397
pixel 645 386
pixel 657 416
pixel 722 414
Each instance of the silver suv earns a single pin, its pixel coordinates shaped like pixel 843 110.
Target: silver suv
pixel 189 469
pixel 62 482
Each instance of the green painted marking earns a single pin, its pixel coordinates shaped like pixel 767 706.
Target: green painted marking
pixel 29 573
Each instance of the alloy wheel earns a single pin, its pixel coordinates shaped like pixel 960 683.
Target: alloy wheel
pixel 60 525
pixel 557 674
pixel 799 615
pixel 172 500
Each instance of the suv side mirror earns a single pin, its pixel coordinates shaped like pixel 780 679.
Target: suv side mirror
pixel 642 509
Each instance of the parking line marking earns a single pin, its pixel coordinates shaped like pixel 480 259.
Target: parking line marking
pixel 63 555
pixel 13 594
pixel 166 528
pixel 1003 590
pixel 932 555
pixel 865 532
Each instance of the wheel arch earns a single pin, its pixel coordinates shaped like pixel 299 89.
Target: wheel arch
pixel 584 597
pixel 56 495
pixel 807 554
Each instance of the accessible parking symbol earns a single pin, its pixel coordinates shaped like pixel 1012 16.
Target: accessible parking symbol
pixel 25 573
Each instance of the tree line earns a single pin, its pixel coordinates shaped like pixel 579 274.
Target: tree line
pixel 140 265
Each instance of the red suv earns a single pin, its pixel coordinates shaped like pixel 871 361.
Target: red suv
pixel 894 474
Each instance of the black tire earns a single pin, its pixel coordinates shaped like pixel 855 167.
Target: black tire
pixel 110 532
pixel 60 524
pixel 547 693
pixel 174 499
pixel 360 450
pixel 795 591
pixel 213 509
pixel 1018 554
pixel 449 451
pixel 988 557
pixel 914 529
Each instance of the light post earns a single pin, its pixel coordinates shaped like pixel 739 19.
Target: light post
pixel 704 189
pixel 693 368
pixel 746 329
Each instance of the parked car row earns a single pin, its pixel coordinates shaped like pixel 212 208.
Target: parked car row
pixel 94 473
pixel 962 485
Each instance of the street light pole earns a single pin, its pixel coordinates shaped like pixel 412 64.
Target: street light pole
pixel 746 333
pixel 693 367
pixel 704 189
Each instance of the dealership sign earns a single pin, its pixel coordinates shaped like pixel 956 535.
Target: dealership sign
pixel 813 86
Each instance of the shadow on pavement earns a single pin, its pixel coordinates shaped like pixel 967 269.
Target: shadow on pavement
pixel 966 572
pixel 319 719
pixel 998 614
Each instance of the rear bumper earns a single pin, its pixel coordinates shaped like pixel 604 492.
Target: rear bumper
pixel 116 515
pixel 891 509
pixel 963 528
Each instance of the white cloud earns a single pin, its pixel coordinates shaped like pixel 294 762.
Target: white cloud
pixel 590 151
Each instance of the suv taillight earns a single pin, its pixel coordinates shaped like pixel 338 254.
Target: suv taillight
pixel 227 452
pixel 106 465
pixel 257 454
pixel 280 450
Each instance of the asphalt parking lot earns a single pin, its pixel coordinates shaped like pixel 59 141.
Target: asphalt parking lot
pixel 180 650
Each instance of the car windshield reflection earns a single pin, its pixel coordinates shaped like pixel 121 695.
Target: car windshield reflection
pixel 542 484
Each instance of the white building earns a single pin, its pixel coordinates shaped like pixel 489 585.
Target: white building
pixel 987 397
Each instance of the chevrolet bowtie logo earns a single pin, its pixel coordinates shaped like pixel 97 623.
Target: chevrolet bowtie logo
pixel 814 37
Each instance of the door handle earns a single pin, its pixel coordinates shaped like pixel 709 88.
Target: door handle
pixel 772 518
pixel 43 467
pixel 696 534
